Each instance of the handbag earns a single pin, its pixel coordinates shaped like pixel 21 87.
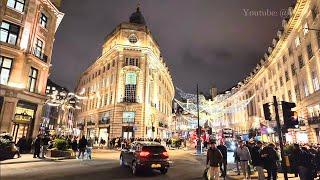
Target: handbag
pixel 205 173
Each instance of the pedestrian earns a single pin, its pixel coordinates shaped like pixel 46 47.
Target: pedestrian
pixel 257 160
pixel 22 144
pixel 270 158
pixel 82 146
pixel 224 151
pixel 74 146
pixel 236 159
pixel 214 158
pixel 89 148
pixel 44 145
pixel 245 157
pixel 37 145
pixel 304 163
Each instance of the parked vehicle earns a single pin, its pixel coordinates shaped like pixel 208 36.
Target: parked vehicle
pixel 145 156
pixel 8 149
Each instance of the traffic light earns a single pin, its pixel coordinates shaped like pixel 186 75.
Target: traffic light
pixel 266 111
pixel 290 121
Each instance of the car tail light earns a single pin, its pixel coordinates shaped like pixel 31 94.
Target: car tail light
pixel 165 154
pixel 144 153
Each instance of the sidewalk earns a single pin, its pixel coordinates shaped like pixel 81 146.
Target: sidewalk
pixel 26 158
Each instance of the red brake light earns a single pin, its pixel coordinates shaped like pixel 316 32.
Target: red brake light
pixel 144 153
pixel 165 154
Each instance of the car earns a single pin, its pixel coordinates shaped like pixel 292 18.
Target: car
pixel 8 150
pixel 143 155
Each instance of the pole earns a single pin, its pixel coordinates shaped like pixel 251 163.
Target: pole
pixel 275 103
pixel 199 131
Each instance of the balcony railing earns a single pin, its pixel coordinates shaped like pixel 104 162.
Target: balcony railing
pixel 314 120
pixel 129 100
pixel 40 55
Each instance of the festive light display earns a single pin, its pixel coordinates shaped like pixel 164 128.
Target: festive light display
pixel 212 111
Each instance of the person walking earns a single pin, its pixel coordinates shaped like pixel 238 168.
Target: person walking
pixel 44 145
pixel 37 145
pixel 89 148
pixel 270 157
pixel 257 160
pixel 245 157
pixel 236 159
pixel 224 151
pixel 22 144
pixel 214 158
pixel 74 146
pixel 82 146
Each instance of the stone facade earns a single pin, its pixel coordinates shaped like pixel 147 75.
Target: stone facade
pixel 27 35
pixel 129 88
pixel 289 70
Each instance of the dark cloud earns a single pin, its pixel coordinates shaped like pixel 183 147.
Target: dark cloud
pixel 205 42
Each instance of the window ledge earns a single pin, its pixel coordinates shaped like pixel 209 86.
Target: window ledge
pixel 22 13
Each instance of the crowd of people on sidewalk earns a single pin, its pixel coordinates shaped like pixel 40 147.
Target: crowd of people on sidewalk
pixel 302 160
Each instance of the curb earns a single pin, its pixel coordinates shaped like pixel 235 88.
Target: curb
pixel 36 160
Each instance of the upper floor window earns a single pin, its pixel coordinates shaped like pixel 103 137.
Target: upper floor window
pixel 314 12
pixel 281 82
pixel 33 76
pixel 315 80
pixel 305 29
pixel 5 69
pixel 297 41
pixel 297 92
pixel 318 37
pixel 16 4
pixel 38 48
pixel 309 51
pixel 130 87
pixel 301 62
pixel 113 63
pixel 9 33
pixel 287 75
pixel 306 89
pixel 43 20
pixel 284 59
pixel 128 117
pixel 132 62
pixel 293 69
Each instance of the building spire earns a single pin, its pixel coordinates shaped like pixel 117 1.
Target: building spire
pixel 138 6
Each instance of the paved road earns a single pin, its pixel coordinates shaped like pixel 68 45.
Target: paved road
pixel 104 166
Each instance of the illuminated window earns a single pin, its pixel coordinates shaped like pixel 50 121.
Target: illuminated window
pixel 33 75
pixel 38 49
pixel 315 80
pixel 9 33
pixel 297 41
pixel 5 69
pixel 130 87
pixel 128 117
pixel 43 20
pixel 306 89
pixel 305 29
pixel 16 4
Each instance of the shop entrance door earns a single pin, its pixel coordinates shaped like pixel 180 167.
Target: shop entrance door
pixel 19 130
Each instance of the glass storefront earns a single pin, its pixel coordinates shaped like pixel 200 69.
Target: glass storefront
pixel 23 121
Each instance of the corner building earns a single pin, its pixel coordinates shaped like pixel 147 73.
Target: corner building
pixel 289 70
pixel 129 88
pixel 28 30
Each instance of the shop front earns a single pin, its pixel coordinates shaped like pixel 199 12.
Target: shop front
pixel 127 132
pixel 104 134
pixel 23 121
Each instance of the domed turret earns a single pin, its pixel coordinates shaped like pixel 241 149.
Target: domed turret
pixel 137 17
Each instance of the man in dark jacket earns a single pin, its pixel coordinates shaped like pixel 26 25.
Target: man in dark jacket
pixel 214 159
pixel 22 144
pixel 82 146
pixel 257 160
pixel 37 146
pixel 270 156
pixel 224 151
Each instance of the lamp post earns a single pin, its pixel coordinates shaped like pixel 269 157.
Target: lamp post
pixel 199 131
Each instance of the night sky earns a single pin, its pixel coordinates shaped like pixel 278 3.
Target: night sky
pixel 204 41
